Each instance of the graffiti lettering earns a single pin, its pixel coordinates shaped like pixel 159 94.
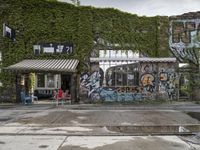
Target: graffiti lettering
pixel 182 32
pixel 90 83
pixel 182 53
pixel 167 83
pixel 184 37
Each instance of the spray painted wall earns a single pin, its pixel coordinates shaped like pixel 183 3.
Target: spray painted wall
pixel 148 72
pixel 156 81
pixel 168 81
pixel 185 39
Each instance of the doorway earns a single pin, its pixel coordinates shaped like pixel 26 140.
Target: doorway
pixel 65 82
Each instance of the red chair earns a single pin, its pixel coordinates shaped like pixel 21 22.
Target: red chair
pixel 59 96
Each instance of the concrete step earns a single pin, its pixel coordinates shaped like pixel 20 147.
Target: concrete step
pixel 132 130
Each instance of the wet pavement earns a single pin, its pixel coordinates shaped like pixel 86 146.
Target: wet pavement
pixel 106 127
pixel 39 142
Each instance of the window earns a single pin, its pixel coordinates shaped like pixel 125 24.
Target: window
pixel 123 75
pixel 50 80
pixel 118 68
pixel 40 80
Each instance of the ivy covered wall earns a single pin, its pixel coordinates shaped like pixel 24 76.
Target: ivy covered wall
pixel 49 21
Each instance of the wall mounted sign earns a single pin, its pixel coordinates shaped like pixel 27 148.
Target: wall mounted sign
pixel 53 48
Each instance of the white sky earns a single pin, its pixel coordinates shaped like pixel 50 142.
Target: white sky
pixel 147 7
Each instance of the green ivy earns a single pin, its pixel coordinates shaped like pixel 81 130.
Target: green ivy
pixel 38 21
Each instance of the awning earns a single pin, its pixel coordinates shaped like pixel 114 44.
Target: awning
pixel 144 59
pixel 48 65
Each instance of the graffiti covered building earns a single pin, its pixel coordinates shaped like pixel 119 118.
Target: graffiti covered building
pixel 123 76
pixel 109 75
pixel 184 39
pixel 184 43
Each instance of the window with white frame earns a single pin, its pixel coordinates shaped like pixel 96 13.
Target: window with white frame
pixel 46 80
pixel 50 81
pixel 40 80
pixel 119 72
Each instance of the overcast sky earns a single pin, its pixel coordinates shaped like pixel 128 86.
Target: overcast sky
pixel 148 7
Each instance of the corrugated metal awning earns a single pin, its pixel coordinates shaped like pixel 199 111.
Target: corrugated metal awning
pixel 166 59
pixel 48 65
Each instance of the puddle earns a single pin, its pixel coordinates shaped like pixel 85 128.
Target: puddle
pixel 4 119
pixel 43 146
pixel 30 112
pixel 195 115
pixel 2 142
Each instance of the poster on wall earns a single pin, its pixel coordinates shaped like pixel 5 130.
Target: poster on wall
pixel 8 32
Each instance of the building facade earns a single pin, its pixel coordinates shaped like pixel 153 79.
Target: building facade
pixel 124 77
pixel 104 43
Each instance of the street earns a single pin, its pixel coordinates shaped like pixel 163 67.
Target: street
pixel 99 127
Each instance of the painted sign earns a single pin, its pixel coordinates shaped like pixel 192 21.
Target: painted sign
pixel 53 48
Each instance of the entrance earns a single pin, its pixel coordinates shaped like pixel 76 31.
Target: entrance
pixel 65 82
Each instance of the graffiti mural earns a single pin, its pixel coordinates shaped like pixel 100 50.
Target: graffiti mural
pixel 147 68
pixel 83 83
pixel 148 79
pixel 148 82
pixel 90 84
pixel 168 80
pixel 121 94
pixel 184 38
pixel 156 80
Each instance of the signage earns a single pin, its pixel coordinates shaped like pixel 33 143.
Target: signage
pixel 53 48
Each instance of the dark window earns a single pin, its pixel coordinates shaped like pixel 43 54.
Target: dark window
pixel 40 80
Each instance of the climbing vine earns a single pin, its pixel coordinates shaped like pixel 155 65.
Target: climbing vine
pixel 50 21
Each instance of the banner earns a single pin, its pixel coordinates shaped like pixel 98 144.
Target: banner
pixel 53 48
pixel 8 32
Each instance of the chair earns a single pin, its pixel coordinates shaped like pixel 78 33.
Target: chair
pixel 59 98
pixel 67 96
pixel 33 97
pixel 25 99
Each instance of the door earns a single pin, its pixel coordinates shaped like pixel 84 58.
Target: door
pixel 65 82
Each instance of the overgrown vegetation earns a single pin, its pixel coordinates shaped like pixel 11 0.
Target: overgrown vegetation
pixel 50 21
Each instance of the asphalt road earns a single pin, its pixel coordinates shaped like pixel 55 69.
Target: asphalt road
pixel 98 127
